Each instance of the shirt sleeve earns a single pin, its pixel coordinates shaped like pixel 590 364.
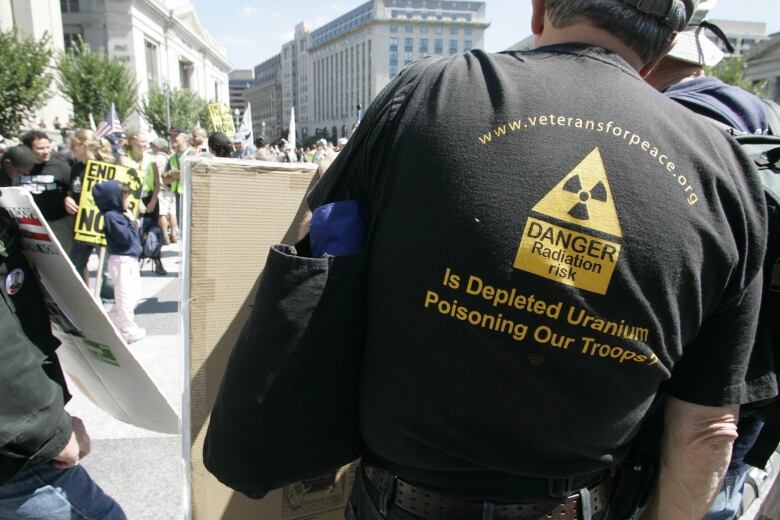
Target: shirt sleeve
pixel 34 426
pixel 729 361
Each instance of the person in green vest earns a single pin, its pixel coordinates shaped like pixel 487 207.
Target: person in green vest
pixel 172 178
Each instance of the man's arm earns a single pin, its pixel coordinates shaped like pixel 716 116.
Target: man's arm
pixel 34 426
pixel 695 453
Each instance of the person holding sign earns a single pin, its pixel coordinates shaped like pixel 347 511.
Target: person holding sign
pixel 84 146
pixel 124 246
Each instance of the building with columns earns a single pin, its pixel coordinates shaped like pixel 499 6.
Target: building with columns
pixel 161 41
pixel 34 18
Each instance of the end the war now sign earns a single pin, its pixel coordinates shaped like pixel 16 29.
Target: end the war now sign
pixel 89 219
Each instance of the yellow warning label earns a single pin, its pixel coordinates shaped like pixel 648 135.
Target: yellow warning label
pixel 584 198
pixel 566 256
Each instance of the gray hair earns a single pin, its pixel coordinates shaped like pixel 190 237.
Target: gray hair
pixel 643 33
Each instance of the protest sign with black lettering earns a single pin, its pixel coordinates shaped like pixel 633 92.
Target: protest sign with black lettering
pixel 221 118
pixel 89 220
pixel 92 353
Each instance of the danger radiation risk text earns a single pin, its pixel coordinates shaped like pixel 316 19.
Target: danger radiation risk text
pixel 600 339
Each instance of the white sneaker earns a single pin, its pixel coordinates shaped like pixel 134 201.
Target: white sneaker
pixel 136 335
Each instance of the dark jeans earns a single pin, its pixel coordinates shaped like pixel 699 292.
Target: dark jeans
pixel 364 504
pixel 79 255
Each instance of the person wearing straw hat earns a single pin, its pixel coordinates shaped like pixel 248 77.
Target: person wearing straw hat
pixel 681 77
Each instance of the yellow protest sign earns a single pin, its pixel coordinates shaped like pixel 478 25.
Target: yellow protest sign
pixel 89 220
pixel 221 118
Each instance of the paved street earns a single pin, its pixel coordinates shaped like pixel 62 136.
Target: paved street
pixel 141 469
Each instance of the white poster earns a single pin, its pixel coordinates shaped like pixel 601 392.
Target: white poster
pixel 93 352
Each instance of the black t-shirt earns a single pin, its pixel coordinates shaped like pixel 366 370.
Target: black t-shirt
pixel 76 180
pixel 48 182
pixel 555 243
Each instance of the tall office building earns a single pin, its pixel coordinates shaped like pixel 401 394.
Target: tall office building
pixel 354 56
pixel 265 95
pixel 326 73
pixel 239 80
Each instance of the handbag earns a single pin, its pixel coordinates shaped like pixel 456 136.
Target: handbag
pixel 287 407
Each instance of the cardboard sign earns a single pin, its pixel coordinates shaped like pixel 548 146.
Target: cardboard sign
pixel 226 251
pixel 93 352
pixel 89 219
pixel 222 119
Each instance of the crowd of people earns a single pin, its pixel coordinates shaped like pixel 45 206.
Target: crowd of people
pixel 54 176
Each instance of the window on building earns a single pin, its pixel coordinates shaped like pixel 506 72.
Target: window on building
pixel 70 39
pixel 423 45
pixel 216 90
pixel 440 30
pixel 393 70
pixel 185 74
pixel 453 46
pixel 424 29
pixel 393 28
pixel 393 43
pixel 467 31
pixel 408 28
pixel 438 46
pixel 453 30
pixel 152 75
pixel 467 16
pixel 467 45
pixel 69 6
pixel 408 44
pixel 408 58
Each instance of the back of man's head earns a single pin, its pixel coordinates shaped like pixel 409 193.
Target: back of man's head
pixel 19 159
pixel 644 26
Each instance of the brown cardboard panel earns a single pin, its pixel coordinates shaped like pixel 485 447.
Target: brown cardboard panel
pixel 238 210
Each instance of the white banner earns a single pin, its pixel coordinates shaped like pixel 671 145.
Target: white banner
pixel 93 352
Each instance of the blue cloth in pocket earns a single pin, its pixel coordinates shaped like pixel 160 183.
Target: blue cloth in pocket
pixel 338 229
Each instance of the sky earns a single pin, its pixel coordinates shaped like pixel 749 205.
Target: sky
pixel 254 30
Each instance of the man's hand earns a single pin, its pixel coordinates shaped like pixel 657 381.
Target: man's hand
pixel 70 205
pixel 77 448
pixel 152 204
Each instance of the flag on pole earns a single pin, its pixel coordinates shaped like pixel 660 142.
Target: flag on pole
pixel 110 125
pixel 245 130
pixel 92 122
pixel 291 131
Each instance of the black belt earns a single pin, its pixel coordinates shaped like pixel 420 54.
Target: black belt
pixel 432 506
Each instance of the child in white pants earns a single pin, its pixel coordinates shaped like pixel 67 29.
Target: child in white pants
pixel 124 246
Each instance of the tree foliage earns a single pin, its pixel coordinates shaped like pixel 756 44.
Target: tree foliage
pixel 92 81
pixel 24 78
pixel 732 71
pixel 187 109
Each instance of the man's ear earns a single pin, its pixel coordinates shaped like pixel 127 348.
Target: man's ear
pixel 537 18
pixel 648 68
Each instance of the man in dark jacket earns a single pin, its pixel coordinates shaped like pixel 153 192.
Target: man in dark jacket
pixel 40 444
pixel 680 76
pixel 124 247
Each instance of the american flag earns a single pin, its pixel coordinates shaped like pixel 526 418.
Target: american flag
pixel 110 125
